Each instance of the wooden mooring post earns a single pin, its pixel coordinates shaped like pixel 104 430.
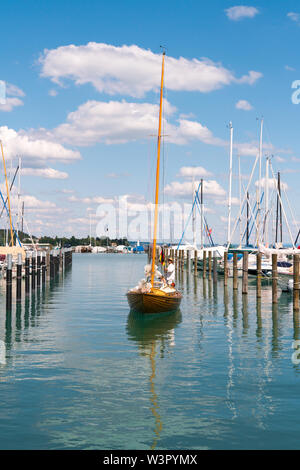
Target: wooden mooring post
pixel 245 273
pixel 195 262
pixel 235 272
pixel 8 282
pixel 27 273
pixel 209 265
pixel 225 268
pixel 258 275
pixel 188 260
pixel 296 282
pixel 35 266
pixel 274 279
pixel 176 259
pixel 51 266
pixel 43 261
pixel 204 263
pixel 33 271
pixel 38 269
pixel 215 274
pixel 19 278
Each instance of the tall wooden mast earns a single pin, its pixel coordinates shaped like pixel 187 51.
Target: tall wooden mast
pixel 157 171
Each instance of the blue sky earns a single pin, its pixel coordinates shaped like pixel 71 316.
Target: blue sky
pixel 215 60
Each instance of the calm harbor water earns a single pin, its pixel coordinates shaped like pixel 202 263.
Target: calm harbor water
pixel 79 371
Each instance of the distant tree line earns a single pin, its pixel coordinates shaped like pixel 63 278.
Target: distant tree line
pixel 73 241
pixel 5 236
pixel 62 241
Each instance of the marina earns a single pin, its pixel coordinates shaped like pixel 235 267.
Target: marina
pixel 149 230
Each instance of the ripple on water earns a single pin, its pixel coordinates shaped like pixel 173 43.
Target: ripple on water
pixel 82 372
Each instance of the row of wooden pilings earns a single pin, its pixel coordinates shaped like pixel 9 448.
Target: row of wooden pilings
pixel 209 270
pixel 39 267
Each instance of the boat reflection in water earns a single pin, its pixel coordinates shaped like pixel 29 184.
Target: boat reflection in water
pixel 153 333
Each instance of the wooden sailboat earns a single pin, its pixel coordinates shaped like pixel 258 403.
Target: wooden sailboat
pixel 158 299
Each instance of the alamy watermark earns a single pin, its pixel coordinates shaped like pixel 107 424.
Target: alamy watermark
pixel 296 94
pixel 296 355
pixel 135 221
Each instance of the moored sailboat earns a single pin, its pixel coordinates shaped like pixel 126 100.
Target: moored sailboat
pixel 155 297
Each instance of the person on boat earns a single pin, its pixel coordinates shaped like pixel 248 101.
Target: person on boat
pixel 170 273
pixel 157 273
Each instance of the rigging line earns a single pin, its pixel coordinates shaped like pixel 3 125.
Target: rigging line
pixel 268 213
pixel 207 233
pixel 252 216
pixel 256 214
pixel 33 244
pixel 245 197
pixel 188 219
pixel 11 186
pixel 1 195
pixel 282 208
pixel 7 190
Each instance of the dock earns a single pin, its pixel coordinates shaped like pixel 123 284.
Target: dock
pixel 34 271
pixel 188 260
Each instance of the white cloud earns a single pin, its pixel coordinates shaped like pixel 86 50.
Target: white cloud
pixel 12 98
pixel 30 202
pixel 10 104
pixel 294 16
pixel 133 71
pixel 34 148
pixel 117 122
pixel 34 203
pixel 272 183
pixel 251 148
pixel 13 90
pixel 192 130
pixel 49 173
pixel 249 79
pixel 243 104
pixel 290 69
pixel 210 188
pixel 239 12
pixel 224 202
pixel 91 200
pixel 112 122
pixel 191 171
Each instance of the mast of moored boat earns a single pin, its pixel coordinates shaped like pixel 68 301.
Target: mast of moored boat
pixel 194 213
pixel 240 199
pixel 267 204
pixel 230 184
pixel 259 184
pixel 8 198
pixel 202 213
pixel 157 171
